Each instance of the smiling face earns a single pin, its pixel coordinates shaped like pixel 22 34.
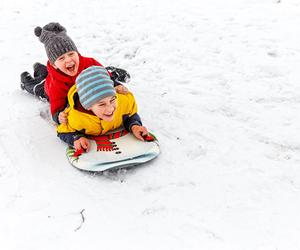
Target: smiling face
pixel 68 63
pixel 105 108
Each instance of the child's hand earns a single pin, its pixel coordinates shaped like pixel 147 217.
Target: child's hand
pixel 82 143
pixel 139 131
pixel 121 89
pixel 63 117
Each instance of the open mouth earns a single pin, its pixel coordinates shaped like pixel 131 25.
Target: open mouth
pixel 109 116
pixel 71 68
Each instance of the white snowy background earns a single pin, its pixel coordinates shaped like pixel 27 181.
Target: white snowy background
pixel 217 82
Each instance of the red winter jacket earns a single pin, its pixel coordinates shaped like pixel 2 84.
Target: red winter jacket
pixel 57 85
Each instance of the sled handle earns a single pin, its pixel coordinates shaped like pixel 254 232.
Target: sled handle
pixel 78 152
pixel 148 138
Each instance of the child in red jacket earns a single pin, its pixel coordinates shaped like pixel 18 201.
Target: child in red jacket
pixel 65 63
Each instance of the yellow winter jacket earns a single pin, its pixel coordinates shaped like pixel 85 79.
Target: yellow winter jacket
pixel 91 124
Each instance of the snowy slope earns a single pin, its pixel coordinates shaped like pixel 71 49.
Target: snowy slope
pixel 218 83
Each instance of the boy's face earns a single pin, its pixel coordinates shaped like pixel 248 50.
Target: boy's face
pixel 105 108
pixel 68 63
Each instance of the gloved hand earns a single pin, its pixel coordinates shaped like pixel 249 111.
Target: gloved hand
pixel 118 75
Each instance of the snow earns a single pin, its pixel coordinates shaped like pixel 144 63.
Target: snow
pixel 216 81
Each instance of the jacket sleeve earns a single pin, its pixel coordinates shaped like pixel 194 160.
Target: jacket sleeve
pixel 129 121
pixel 69 138
pixel 58 102
pixel 56 114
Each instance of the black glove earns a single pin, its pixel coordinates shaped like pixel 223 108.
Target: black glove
pixel 118 75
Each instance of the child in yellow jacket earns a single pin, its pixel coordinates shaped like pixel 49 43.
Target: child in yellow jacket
pixel 94 108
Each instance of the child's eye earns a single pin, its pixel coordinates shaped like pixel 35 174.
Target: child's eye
pixel 71 53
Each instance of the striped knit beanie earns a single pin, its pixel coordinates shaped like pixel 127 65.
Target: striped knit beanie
pixel 56 41
pixel 93 84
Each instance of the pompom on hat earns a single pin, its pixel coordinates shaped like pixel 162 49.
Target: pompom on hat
pixel 94 84
pixel 56 41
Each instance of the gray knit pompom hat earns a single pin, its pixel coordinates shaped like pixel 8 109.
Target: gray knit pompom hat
pixel 56 41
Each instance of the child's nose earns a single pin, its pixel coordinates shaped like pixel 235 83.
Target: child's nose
pixel 68 59
pixel 110 108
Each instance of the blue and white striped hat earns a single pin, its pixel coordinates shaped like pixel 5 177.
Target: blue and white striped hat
pixel 94 84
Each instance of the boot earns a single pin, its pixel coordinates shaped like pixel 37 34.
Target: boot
pixel 26 79
pixel 40 71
